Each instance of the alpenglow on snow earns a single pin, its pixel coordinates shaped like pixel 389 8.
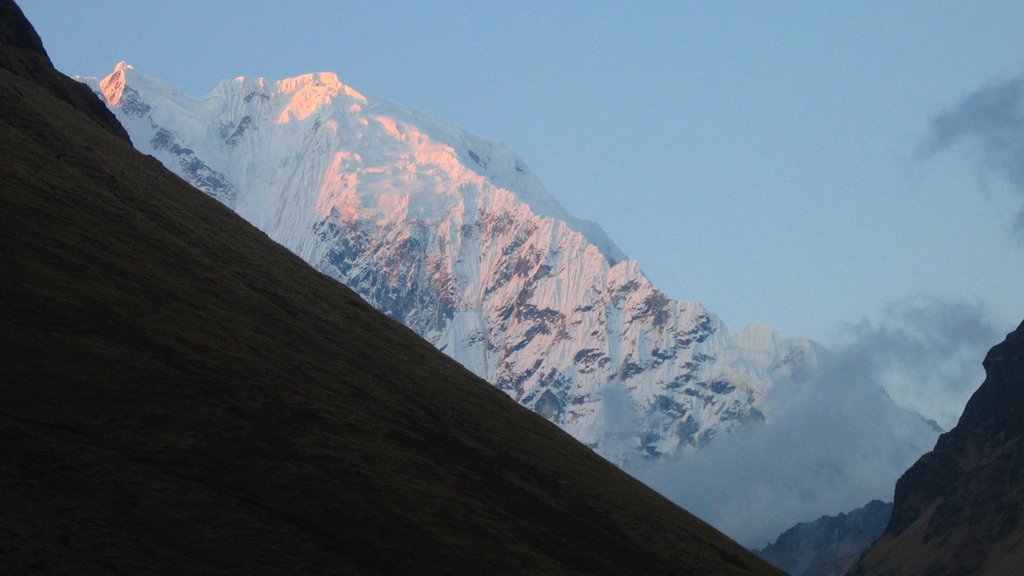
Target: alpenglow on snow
pixel 453 236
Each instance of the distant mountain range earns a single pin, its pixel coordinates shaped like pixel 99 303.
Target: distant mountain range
pixel 830 545
pixel 181 395
pixel 453 236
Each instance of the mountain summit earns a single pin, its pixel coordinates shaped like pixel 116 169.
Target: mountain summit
pixel 181 395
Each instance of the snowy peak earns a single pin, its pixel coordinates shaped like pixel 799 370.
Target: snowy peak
pixel 320 82
pixel 124 86
pixel 310 92
pixel 423 150
pixel 112 87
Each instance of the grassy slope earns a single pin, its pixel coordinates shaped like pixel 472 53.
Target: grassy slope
pixel 178 394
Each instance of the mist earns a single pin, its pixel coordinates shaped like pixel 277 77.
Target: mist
pixel 925 351
pixel 845 437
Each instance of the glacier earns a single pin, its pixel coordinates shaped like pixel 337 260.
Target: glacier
pixel 455 237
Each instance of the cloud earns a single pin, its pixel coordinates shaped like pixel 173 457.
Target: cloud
pixel 840 440
pixel 992 119
pixel 925 351
pixel 830 447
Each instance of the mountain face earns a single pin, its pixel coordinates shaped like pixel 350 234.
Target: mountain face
pixel 454 237
pixel 958 509
pixel 830 545
pixel 181 395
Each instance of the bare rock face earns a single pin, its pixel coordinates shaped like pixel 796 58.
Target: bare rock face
pixel 958 510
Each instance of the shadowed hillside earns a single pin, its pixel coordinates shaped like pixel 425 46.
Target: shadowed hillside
pixel 180 395
pixel 22 54
pixel 958 510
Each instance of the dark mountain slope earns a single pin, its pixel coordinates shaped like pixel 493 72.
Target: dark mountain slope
pixel 180 395
pixel 22 54
pixel 958 510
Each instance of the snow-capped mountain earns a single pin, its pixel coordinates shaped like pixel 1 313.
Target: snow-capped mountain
pixel 455 237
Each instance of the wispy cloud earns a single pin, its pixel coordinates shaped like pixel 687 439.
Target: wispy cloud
pixel 925 351
pixel 990 118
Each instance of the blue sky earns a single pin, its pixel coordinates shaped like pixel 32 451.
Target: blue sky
pixel 777 161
